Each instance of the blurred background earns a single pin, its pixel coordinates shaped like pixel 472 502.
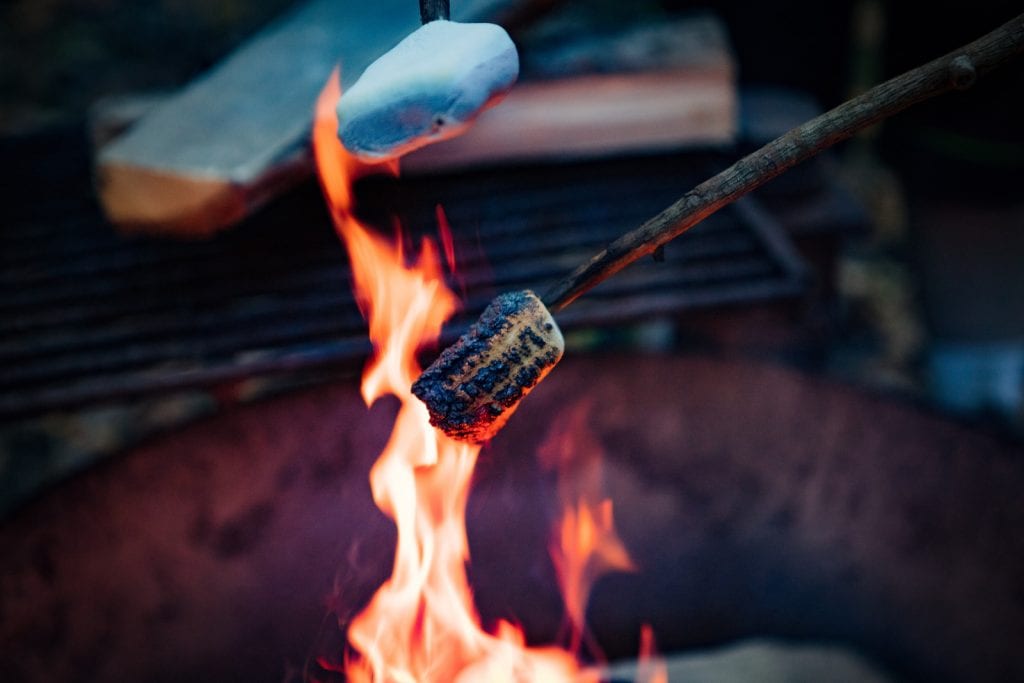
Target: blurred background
pixel 890 267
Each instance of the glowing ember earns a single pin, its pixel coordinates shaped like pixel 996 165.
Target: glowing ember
pixel 421 625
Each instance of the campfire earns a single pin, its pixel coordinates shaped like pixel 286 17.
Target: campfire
pixel 421 625
pixel 693 473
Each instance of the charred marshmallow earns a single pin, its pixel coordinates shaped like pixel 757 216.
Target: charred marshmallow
pixel 477 383
pixel 427 88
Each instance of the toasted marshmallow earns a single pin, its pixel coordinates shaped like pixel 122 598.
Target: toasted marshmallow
pixel 476 384
pixel 427 88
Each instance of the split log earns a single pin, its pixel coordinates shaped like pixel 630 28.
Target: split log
pixel 238 134
pixel 649 88
pixel 208 156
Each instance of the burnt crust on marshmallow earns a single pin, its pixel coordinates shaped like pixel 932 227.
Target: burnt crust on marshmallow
pixel 476 384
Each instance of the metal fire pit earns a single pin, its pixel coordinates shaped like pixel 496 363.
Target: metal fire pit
pixel 754 500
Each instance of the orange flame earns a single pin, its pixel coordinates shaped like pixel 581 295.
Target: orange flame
pixel 421 626
pixel 650 668
pixel 585 545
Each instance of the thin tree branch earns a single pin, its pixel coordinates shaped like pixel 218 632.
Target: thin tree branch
pixel 432 10
pixel 957 70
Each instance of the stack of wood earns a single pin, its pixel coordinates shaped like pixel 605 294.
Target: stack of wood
pixel 201 159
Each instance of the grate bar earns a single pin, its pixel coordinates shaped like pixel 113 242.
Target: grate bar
pixel 88 316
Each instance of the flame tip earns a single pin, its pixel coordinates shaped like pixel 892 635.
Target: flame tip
pixel 421 479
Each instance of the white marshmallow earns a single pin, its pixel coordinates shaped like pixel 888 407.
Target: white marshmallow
pixel 427 88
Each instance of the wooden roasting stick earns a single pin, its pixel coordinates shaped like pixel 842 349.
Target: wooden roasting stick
pixel 475 385
pixel 432 10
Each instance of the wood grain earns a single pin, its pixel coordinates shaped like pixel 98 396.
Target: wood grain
pixel 594 116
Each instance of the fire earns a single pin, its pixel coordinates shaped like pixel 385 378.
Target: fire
pixel 586 545
pixel 421 626
pixel 652 668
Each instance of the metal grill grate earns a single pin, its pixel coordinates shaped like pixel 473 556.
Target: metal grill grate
pixel 87 315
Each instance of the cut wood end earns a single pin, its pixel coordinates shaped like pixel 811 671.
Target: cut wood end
pixel 139 199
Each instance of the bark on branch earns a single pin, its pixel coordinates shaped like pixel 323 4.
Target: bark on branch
pixel 955 71
pixel 432 10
